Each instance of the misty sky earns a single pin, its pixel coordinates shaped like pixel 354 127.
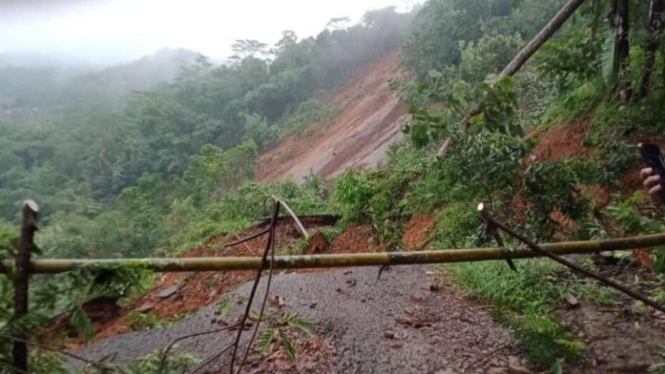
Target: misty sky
pixel 117 30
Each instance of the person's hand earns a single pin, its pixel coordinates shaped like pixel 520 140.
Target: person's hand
pixel 652 182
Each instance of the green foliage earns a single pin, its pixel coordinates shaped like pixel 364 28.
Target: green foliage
pixel 138 321
pixel 553 187
pixel 529 290
pixel 658 368
pixel 527 296
pixel 307 113
pixel 148 172
pixel 457 225
pixel 487 57
pixel 547 341
pixel 258 130
pixel 628 215
pixel 571 58
pixel 485 163
pixel 157 363
pixel 376 196
pixel 224 306
pixel 625 212
pixel 444 27
pixel 574 104
pixel 280 328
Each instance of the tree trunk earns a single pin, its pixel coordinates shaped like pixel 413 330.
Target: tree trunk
pixel 655 36
pixel 25 247
pixel 525 54
pixel 622 48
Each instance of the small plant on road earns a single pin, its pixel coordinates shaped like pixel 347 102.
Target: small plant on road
pixel 279 331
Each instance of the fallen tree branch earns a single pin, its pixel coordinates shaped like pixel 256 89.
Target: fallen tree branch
pixel 165 353
pixel 265 296
pixel 318 219
pixel 540 250
pixel 244 243
pixel 246 239
pixel 252 293
pixel 489 354
pixel 491 229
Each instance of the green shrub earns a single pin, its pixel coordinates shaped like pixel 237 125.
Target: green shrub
pixel 547 341
pixel 307 114
pixel 575 104
pixel 457 224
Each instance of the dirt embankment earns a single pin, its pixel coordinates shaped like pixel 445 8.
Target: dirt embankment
pixel 369 121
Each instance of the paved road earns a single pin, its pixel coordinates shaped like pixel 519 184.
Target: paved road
pixel 397 325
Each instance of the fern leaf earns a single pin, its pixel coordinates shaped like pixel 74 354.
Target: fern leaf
pixel 298 322
pixel 82 323
pixel 609 64
pixel 265 341
pixel 223 307
pixel 286 343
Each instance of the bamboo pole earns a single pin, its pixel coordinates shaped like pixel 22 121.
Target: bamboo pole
pixel 348 260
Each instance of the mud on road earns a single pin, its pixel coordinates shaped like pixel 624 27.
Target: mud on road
pixel 396 325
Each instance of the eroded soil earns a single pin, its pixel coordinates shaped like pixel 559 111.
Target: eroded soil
pixel 368 122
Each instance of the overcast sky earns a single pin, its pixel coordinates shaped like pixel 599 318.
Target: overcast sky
pixel 117 30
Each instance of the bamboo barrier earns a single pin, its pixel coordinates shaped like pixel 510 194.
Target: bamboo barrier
pixel 346 260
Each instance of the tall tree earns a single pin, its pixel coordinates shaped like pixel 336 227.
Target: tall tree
pixel 656 9
pixel 620 21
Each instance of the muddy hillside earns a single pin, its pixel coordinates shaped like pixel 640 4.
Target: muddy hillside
pixel 367 123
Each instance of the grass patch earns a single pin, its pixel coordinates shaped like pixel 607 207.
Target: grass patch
pixel 526 298
pixel 306 114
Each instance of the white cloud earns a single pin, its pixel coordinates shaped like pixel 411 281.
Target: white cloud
pixel 121 29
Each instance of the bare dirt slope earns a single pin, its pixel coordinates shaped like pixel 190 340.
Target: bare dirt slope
pixel 357 137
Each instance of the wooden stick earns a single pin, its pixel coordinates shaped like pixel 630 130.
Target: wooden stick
pixel 265 296
pixel 248 238
pixel 25 246
pixel 538 249
pixel 264 261
pixel 497 237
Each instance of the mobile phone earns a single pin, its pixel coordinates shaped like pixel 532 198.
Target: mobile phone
pixel 653 157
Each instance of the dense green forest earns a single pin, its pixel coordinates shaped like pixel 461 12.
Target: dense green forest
pixel 116 154
pixel 122 174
